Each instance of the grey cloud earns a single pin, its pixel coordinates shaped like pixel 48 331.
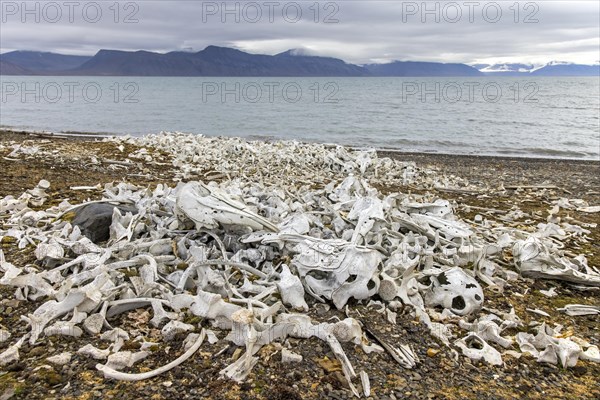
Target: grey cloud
pixel 367 31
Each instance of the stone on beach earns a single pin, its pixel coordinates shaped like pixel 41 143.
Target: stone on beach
pixel 94 220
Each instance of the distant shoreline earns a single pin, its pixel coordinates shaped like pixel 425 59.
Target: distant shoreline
pixel 495 76
pixel 384 152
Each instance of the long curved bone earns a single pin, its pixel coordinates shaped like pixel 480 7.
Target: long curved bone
pixel 122 376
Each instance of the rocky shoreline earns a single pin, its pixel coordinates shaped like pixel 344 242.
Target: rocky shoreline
pixel 497 184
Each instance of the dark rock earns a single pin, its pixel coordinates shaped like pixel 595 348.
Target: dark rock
pixel 15 367
pixel 94 220
pixel 37 351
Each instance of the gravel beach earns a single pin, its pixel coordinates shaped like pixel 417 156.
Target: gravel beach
pixel 505 183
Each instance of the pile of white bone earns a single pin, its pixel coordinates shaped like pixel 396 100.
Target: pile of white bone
pixel 251 253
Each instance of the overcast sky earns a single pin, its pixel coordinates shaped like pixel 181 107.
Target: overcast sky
pixel 356 31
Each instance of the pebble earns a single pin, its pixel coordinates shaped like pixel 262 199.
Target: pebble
pixel 37 351
pixel 10 302
pixel 432 352
pixel 60 359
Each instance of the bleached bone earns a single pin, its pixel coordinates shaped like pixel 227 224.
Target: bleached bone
pixel 60 359
pixel 488 331
pixel 242 321
pixel 534 260
pixel 549 349
pixel 51 310
pixel 288 356
pixel 38 194
pixel 171 329
pixel 456 291
pixel 474 347
pixel 93 324
pixel 302 327
pixel 366 210
pixel 117 336
pixel 124 359
pixel 389 288
pixel 402 354
pixel 241 368
pixel 94 352
pixel 550 292
pixel 190 340
pixel 117 307
pixel 4 335
pixel 208 207
pixel 337 265
pixel 366 385
pixel 538 312
pixel 297 223
pixel 111 373
pixel 160 315
pixel 51 250
pixel 208 281
pixel 406 237
pixel 579 309
pixel 291 290
pixel 13 276
pixel 212 306
pixel 11 354
pixel 439 208
pixel 448 229
pixel 63 328
pixel 592 353
pixel 84 245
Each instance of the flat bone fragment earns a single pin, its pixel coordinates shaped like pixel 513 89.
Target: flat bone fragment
pixel 291 290
pixel 4 335
pixel 51 250
pixel 11 354
pixel 288 356
pixel 60 359
pixel 171 329
pixel 124 359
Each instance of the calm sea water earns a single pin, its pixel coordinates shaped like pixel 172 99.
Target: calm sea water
pixel 541 117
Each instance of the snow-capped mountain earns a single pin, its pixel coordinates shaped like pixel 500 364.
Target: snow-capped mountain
pixel 553 68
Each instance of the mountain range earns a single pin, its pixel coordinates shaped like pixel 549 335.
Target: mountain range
pixel 224 61
pixel 554 68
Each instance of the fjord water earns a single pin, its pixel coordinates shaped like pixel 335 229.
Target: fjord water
pixel 539 117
